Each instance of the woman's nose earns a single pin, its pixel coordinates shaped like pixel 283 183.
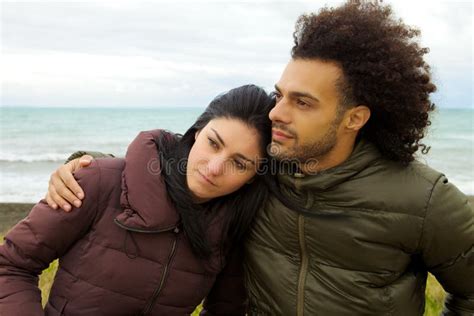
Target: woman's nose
pixel 216 166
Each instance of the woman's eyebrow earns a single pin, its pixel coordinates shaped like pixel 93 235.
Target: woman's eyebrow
pixel 218 137
pixel 223 144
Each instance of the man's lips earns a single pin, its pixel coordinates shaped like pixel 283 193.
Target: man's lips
pixel 280 135
pixel 206 179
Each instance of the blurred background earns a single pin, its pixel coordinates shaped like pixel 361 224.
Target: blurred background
pixel 79 75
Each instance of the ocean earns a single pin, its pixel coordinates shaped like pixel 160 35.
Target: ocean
pixel 35 141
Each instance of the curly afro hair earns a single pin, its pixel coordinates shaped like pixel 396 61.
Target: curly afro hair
pixel 383 69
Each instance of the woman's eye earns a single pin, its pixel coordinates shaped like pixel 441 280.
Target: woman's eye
pixel 212 143
pixel 277 96
pixel 240 165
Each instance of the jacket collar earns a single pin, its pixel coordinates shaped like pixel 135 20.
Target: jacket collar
pixel 364 154
pixel 144 199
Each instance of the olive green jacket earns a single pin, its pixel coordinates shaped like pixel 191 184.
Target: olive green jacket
pixel 362 243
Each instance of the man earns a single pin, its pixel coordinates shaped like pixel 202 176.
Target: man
pixel 356 229
pixel 370 222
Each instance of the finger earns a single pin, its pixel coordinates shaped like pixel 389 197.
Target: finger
pixel 85 160
pixel 50 201
pixel 66 179
pixel 58 199
pixel 63 191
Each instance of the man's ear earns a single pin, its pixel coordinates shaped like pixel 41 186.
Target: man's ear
pixel 357 117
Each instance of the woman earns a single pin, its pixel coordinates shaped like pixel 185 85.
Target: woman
pixel 157 231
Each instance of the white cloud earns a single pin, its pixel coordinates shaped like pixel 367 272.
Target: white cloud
pixel 119 53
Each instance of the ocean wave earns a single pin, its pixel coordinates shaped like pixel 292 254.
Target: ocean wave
pixel 40 157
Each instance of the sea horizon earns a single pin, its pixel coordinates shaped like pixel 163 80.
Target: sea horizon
pixel 34 141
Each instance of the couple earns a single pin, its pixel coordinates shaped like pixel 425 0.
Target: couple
pixel 354 234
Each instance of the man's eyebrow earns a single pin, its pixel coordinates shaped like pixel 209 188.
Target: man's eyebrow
pixel 218 137
pixel 296 94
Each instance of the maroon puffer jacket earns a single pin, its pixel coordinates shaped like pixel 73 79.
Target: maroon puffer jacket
pixel 121 253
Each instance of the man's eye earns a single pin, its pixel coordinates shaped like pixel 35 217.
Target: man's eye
pixel 302 104
pixel 277 96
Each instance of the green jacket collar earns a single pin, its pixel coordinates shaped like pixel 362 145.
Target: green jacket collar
pixel 362 156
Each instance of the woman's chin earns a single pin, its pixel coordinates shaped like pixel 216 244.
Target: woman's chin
pixel 198 196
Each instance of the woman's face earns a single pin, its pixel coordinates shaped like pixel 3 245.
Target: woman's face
pixel 223 158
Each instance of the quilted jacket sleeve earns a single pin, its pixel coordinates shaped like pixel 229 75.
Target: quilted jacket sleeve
pixel 228 295
pixel 31 245
pixel 447 245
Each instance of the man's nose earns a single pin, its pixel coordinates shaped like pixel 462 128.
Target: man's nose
pixel 280 112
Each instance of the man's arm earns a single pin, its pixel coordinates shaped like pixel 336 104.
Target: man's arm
pixel 63 189
pixel 93 154
pixel 447 245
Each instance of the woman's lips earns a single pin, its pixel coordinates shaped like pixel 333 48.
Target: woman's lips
pixel 277 135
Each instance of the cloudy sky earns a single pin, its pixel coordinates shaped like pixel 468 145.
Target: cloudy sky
pixel 182 53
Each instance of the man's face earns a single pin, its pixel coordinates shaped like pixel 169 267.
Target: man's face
pixel 305 118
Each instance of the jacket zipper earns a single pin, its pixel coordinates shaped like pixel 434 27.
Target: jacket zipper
pixel 149 306
pixel 303 267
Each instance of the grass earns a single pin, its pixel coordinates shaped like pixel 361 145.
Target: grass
pixel 433 306
pixel 46 280
pixel 435 296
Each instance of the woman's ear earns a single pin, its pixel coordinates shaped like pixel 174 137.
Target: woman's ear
pixel 196 134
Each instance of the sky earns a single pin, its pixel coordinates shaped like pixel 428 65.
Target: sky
pixel 182 53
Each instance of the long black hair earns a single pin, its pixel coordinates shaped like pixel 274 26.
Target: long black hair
pixel 250 105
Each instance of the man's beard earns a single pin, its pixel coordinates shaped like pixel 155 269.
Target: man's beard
pixel 307 153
